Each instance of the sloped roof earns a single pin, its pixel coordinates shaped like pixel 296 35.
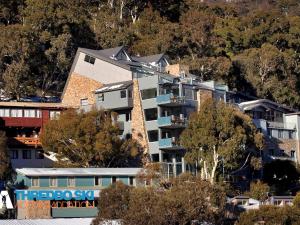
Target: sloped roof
pixel 114 86
pixel 248 105
pixel 150 58
pixel 77 171
pixel 110 51
pixel 31 104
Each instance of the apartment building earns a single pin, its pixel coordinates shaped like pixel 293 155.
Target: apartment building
pixel 154 100
pixel 280 126
pixel 23 122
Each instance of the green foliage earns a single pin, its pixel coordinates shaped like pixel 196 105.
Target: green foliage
pixel 219 132
pixel 271 215
pixel 187 199
pixel 296 201
pixel 253 46
pixel 281 176
pixel 88 139
pixel 259 191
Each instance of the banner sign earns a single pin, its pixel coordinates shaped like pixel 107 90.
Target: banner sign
pixel 56 195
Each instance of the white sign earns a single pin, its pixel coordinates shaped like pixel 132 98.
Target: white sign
pixel 5 199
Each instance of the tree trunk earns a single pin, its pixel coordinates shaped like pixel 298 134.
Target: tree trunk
pixel 215 165
pixel 121 10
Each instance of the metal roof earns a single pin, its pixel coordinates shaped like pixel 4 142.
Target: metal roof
pixel 77 171
pixel 60 221
pixel 32 104
pixel 150 58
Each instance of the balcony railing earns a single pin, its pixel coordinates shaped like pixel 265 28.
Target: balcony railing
pixel 29 141
pixel 169 99
pixel 283 158
pixel 169 143
pixel 280 125
pixel 172 121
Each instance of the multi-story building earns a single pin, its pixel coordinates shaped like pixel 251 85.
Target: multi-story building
pixel 23 122
pixel 280 126
pixel 65 192
pixel 154 100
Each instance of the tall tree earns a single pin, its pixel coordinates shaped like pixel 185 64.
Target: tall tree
pixel 219 133
pixel 88 139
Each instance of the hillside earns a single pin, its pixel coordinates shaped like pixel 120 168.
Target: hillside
pixel 253 46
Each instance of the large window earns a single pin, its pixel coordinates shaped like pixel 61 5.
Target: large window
pixel 71 181
pixel 35 182
pixel 151 114
pixel 53 182
pixel 89 59
pixel 29 113
pixel 4 113
pixel 16 113
pixel 26 154
pixel 153 135
pixel 149 93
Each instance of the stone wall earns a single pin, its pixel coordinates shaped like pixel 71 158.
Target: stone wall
pixel 138 122
pixel 176 69
pixel 33 209
pixel 79 87
pixel 203 95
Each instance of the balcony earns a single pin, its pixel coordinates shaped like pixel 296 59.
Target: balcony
pixel 170 100
pixel 172 122
pixel 169 144
pixel 27 141
pixel 279 125
pixel 283 158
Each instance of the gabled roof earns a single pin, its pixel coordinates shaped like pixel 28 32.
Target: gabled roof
pixel 114 86
pixel 264 102
pixel 77 171
pixel 110 52
pixel 150 58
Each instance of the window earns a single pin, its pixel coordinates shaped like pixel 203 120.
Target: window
pixel 38 113
pixel 131 181
pixel 98 181
pixel 54 115
pixel 291 134
pixel 280 133
pixel 153 135
pixel 14 154
pixel 35 182
pixel 155 157
pixel 151 114
pixel 26 154
pixel 114 180
pixel 39 154
pixel 129 93
pixel 149 93
pixel 100 97
pixel 4 113
pixel 123 93
pixel 89 59
pixel 188 93
pixel 53 182
pixel 84 102
pixel 29 113
pixel 71 181
pixel 16 113
pixel 293 154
